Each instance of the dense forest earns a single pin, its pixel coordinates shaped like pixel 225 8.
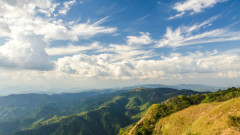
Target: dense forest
pixel 106 113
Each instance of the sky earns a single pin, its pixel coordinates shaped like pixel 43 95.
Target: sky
pixel 62 44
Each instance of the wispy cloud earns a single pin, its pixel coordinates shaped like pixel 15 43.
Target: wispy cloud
pixel 133 48
pixel 61 31
pixel 66 7
pixel 190 35
pixel 193 6
pixel 143 18
pixel 72 49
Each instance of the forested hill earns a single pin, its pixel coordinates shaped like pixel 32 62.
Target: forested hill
pixel 103 114
pixel 20 111
pixel 14 106
pixel 215 113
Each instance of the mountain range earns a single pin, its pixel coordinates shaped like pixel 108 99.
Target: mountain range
pixel 139 111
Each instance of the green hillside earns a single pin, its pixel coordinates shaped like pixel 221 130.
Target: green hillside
pixel 204 119
pixel 15 106
pixel 36 108
pixel 152 122
pixel 118 112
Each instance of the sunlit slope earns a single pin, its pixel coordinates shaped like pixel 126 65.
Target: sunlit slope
pixel 203 119
pixel 210 113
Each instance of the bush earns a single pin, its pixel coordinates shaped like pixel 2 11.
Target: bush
pixel 234 121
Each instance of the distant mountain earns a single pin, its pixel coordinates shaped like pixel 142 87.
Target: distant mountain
pixel 14 106
pixel 55 91
pixel 195 87
pixel 106 113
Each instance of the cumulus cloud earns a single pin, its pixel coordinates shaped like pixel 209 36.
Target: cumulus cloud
pixel 193 6
pixel 17 8
pixel 190 35
pixel 143 39
pixel 4 29
pixel 28 34
pixel 5 62
pixel 176 64
pixel 101 69
pixel 25 52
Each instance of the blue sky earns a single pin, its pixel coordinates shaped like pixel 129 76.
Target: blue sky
pixel 46 44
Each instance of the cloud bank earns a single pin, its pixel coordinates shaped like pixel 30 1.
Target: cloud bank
pixel 28 33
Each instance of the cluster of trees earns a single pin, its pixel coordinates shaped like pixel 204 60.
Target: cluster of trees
pixel 158 111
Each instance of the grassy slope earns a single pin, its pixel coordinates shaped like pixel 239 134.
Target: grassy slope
pixel 203 119
pixel 157 112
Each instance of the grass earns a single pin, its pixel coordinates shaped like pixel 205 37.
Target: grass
pixel 204 119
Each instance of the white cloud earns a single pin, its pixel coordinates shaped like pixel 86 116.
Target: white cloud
pixel 73 31
pixel 105 66
pixel 190 35
pixel 229 74
pixel 50 11
pixel 4 29
pixel 66 7
pixel 143 39
pixel 28 33
pixel 143 18
pixel 25 52
pixel 23 49
pixel 17 8
pixel 193 6
pixel 71 49
pixel 105 71
pixel 123 52
pixel 5 62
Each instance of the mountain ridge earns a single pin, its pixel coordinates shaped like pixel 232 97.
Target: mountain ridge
pixel 121 111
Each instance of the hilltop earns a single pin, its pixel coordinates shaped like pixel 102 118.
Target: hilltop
pixel 206 119
pixel 210 113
